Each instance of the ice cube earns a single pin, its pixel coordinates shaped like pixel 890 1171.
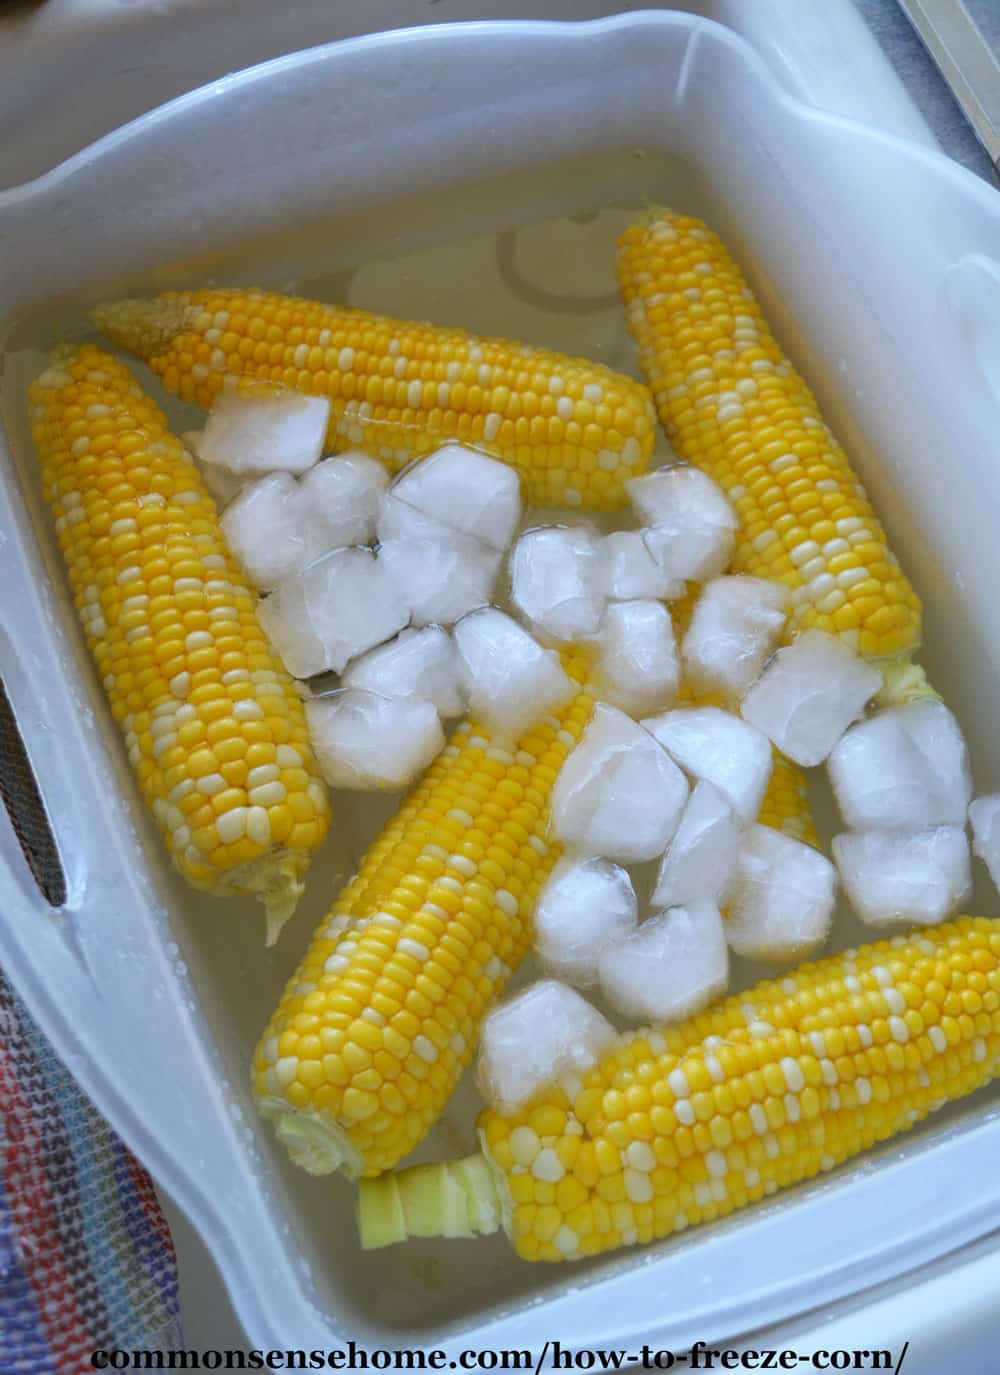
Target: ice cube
pixel 809 694
pixel 536 1038
pixel 984 814
pixel 341 499
pixel 467 491
pixel 440 580
pixel 398 521
pixel 557 580
pixel 585 904
pixel 618 794
pixel 631 571
pixel 906 768
pixel 277 526
pixel 711 743
pixel 417 664
pixel 690 523
pixel 700 859
pixel 736 623
pixel 637 665
pixel 780 903
pixel 372 743
pixel 263 430
pixel 673 965
pixel 265 530
pixel 511 681
pixel 221 483
pixel 894 878
pixel 335 609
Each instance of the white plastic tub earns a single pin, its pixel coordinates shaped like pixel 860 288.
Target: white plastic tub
pixel 873 258
pixel 152 51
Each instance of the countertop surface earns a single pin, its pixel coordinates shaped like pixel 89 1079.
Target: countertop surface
pixel 923 81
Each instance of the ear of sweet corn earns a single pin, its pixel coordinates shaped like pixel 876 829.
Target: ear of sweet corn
pixel 214 729
pixel 382 1015
pixel 764 1090
pixel 573 429
pixel 732 404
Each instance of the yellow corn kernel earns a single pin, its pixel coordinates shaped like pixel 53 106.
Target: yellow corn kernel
pixel 147 564
pixel 575 430
pixel 415 950
pixel 732 403
pixel 786 802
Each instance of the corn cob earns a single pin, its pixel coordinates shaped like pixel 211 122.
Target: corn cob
pixel 214 729
pixel 732 403
pixel 766 1089
pixel 382 1015
pixel 786 806
pixel 573 429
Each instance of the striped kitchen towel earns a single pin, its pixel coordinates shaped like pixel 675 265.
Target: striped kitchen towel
pixel 86 1259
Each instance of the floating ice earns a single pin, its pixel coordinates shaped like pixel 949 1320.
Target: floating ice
pixel 690 523
pixel 538 1037
pixel 263 431
pixel 900 877
pixel 335 609
pixel 780 903
pixel 340 500
pixel 984 814
pixel 708 742
pixel 585 904
pixel 631 571
pixel 266 532
pixel 637 665
pixel 736 623
pixel 809 694
pixel 511 681
pixel 618 793
pixel 417 664
pixel 372 743
pixel 276 526
pixel 222 484
pixel 398 521
pixel 465 490
pixel 907 768
pixel 700 859
pixel 557 580
pixel 671 966
pixel 440 581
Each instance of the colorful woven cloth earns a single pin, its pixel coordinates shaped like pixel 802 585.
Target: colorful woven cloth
pixel 86 1259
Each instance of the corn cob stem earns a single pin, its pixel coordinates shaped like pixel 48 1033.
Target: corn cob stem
pixel 904 681
pixel 314 1142
pixel 382 1015
pixel 453 1198
pixel 574 430
pixel 213 726
pixel 766 1089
